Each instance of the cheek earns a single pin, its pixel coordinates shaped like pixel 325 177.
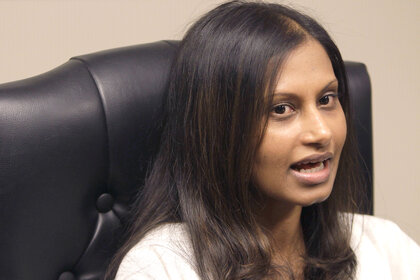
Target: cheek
pixel 273 156
pixel 340 130
pixel 275 146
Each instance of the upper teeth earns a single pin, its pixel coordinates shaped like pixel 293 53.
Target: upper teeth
pixel 311 161
pixel 315 169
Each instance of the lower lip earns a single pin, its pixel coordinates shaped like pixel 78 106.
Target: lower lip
pixel 315 177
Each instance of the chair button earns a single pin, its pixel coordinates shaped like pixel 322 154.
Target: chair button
pixel 105 202
pixel 67 276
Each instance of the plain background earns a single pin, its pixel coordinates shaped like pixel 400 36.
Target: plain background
pixel 37 36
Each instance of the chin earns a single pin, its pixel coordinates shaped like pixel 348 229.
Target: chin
pixel 319 196
pixel 316 201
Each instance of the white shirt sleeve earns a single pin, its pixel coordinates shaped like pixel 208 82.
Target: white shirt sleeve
pixel 404 254
pixel 384 251
pixel 162 255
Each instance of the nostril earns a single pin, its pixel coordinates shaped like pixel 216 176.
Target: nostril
pixel 317 137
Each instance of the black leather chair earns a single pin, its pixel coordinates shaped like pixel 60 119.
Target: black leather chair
pixel 74 146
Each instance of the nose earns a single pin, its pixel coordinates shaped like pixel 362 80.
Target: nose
pixel 316 130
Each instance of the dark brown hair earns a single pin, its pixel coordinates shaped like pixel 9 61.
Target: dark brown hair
pixel 226 64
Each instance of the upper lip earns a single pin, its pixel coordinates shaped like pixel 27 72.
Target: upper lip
pixel 314 158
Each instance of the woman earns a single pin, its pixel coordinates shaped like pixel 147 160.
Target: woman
pixel 255 177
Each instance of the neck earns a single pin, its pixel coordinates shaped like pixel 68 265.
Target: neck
pixel 283 223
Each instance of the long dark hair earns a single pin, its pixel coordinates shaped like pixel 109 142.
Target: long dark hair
pixel 226 66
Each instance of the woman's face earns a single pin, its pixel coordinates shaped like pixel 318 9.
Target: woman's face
pixel 298 157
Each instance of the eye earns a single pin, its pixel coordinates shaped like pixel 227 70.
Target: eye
pixel 282 109
pixel 324 100
pixel 328 99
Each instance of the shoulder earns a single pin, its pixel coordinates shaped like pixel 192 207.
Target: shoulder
pixel 164 253
pixel 375 228
pixel 383 248
pixel 380 232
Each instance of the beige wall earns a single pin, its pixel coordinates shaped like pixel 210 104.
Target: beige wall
pixel 39 35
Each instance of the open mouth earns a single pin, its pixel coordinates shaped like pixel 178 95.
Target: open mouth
pixel 313 170
pixel 310 167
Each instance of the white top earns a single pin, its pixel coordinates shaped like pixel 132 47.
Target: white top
pixel 383 252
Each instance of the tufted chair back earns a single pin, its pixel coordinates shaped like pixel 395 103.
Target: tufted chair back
pixel 75 143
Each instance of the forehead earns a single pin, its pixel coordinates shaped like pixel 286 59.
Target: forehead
pixel 306 66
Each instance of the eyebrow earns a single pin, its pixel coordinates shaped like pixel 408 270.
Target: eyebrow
pixel 287 94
